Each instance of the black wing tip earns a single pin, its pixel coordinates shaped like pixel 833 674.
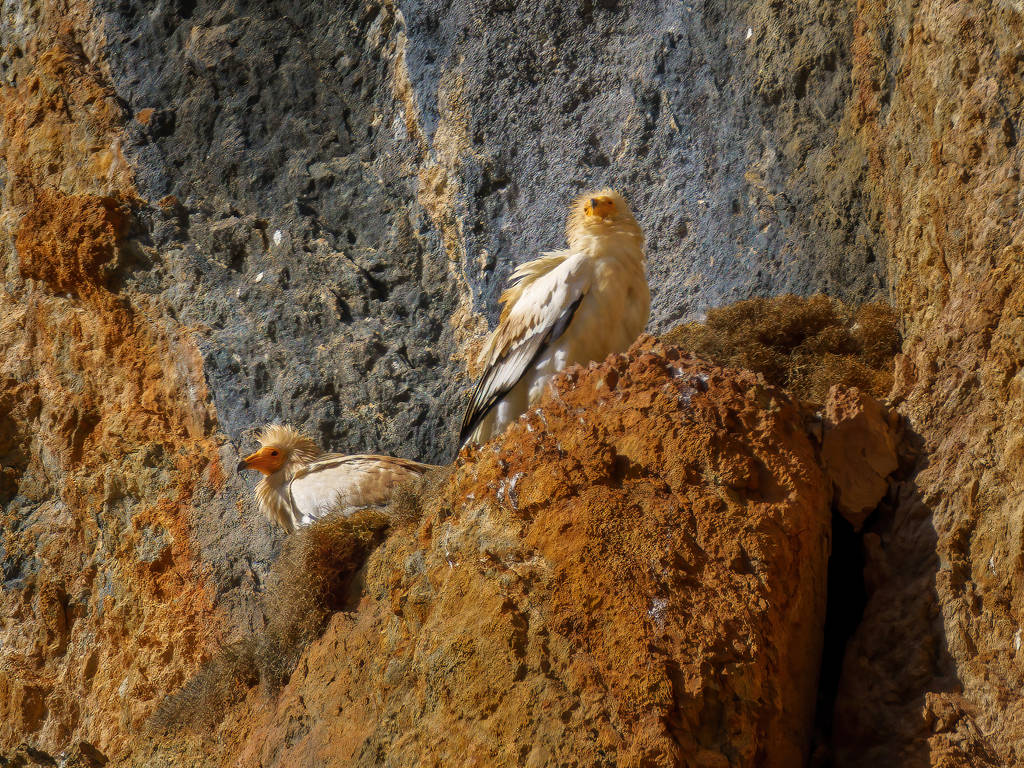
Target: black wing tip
pixel 470 422
pixel 473 415
pixel 477 412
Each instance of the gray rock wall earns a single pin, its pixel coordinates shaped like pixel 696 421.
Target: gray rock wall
pixel 353 184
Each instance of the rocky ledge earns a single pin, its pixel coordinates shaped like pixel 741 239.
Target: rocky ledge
pixel 634 574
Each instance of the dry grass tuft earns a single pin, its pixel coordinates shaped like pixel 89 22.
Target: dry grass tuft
pixel 310 579
pixel 217 685
pixel 408 499
pixel 804 345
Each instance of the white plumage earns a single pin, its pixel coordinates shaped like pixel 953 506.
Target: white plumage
pixel 572 306
pixel 301 484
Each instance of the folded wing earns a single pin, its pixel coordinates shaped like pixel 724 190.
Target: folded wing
pixel 535 318
pixel 347 483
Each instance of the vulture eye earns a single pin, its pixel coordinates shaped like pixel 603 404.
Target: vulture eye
pixel 273 453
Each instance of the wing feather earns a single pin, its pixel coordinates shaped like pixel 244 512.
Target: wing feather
pixel 337 481
pixel 543 308
pixel 360 461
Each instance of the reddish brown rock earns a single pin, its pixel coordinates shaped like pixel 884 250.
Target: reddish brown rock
pixel 935 673
pixel 633 575
pixel 858 452
pixel 105 426
pixel 70 242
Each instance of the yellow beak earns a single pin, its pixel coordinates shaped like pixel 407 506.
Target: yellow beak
pixel 266 460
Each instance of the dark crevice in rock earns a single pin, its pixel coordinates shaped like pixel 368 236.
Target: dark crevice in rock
pixel 847 598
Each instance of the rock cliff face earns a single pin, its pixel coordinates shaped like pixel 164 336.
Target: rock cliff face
pixel 216 214
pixel 934 673
pixel 106 418
pixel 634 575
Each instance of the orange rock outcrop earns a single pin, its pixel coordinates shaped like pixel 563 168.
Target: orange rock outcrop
pixel 106 422
pixel 633 575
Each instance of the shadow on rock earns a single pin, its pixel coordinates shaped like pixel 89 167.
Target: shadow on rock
pixel 899 702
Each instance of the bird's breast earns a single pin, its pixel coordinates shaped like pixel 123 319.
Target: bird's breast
pixel 315 494
pixel 622 298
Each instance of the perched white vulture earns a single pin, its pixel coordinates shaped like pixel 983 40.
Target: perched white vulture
pixel 573 306
pixel 301 483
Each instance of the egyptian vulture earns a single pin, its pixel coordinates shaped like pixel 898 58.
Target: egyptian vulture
pixel 572 306
pixel 301 483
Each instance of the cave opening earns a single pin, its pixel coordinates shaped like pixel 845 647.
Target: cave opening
pixel 847 598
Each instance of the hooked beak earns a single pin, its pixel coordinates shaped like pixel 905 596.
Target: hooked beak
pixel 266 460
pixel 245 463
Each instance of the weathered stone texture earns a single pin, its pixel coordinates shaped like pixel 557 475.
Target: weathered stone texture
pixel 107 445
pixel 859 451
pixel 217 214
pixel 935 673
pixel 633 575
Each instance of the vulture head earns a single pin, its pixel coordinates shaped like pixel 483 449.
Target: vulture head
pixel 280 447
